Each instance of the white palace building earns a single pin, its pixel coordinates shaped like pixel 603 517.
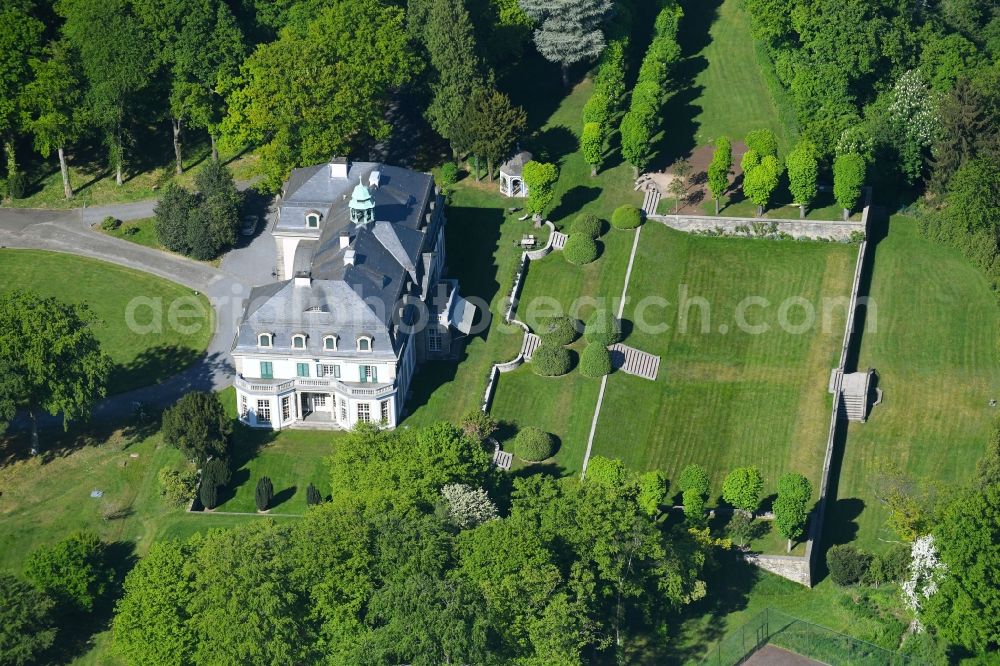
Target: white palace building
pixel 360 300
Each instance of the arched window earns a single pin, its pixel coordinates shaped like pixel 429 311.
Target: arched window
pixel 330 343
pixel 298 341
pixel 364 343
pixel 312 220
pixel 265 340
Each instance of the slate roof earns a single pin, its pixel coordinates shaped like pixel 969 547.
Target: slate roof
pixel 344 299
pixel 515 165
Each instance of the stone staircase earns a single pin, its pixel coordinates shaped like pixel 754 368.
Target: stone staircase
pixel 559 240
pixel 650 201
pixel 530 344
pixel 632 361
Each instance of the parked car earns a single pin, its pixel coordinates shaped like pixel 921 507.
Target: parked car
pixel 249 225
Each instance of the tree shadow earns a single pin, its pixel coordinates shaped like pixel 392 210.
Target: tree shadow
pixel 553 144
pixel 573 200
pixel 283 496
pixel 154 363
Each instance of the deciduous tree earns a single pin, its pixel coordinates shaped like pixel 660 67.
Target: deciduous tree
pixel 51 346
pixel 803 173
pixel 791 508
pixel 848 178
pixel 760 181
pixel 72 571
pixel 321 88
pixel 719 168
pixel 20 40
pixel 592 146
pixel 742 488
pixel 539 177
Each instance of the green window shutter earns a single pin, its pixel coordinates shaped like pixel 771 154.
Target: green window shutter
pixel 361 371
pixel 303 369
pixel 375 373
pixel 336 372
pixel 265 370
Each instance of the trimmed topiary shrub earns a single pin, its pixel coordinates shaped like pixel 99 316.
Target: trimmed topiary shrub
pixel 448 175
pixel 559 331
pixel 264 494
pixel 595 361
pixel 551 361
pixel 580 249
pixel 110 223
pixel 626 217
pixel 603 328
pixel 534 444
pixel 587 224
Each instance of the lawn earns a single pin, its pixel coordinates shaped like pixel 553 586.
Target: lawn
pixel 931 335
pixel 140 358
pixel 729 393
pixel 721 88
pixel 142 232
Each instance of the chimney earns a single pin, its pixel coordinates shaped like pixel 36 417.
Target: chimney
pixel 345 240
pixel 349 257
pixel 302 279
pixel 338 167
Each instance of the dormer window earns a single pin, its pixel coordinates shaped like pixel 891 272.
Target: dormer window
pixel 312 220
pixel 265 340
pixel 298 341
pixel 330 343
pixel 365 343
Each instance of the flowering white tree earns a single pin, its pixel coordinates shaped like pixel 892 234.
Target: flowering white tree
pixel 926 572
pixel 467 506
pixel 914 119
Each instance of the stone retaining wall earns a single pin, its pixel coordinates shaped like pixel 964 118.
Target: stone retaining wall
pixel 792 567
pixel 763 227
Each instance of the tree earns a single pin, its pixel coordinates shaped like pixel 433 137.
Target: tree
pixel 174 212
pixel 609 471
pixel 26 624
pixel 264 494
pixel 803 173
pixel 313 496
pixel 760 181
pixel 51 346
pixel 595 361
pixel 200 47
pixel 742 488
pixel 791 508
pixel 694 478
pixel 966 115
pixel 847 564
pixel 178 487
pixel 467 507
pixel 208 493
pixel 216 472
pixel 637 134
pixel 967 538
pixel 911 123
pixel 478 425
pixel 198 426
pixel 51 101
pixel 652 492
pixel 603 328
pixel 592 146
pixel 763 142
pixel 72 571
pixel 694 507
pixel 20 40
pixel 449 37
pixel 742 529
pixel 405 469
pixel 539 177
pixel 719 168
pixel 848 178
pixel 492 124
pixel 118 63
pixel 355 53
pixel 219 208
pixel 152 624
pixel 974 195
pixel 569 31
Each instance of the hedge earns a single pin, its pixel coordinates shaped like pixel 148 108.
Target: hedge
pixel 595 361
pixel 551 360
pixel 580 249
pixel 533 444
pixel 603 328
pixel 587 224
pixel 558 331
pixel 626 217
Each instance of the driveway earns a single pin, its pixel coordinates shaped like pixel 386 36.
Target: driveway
pixel 226 287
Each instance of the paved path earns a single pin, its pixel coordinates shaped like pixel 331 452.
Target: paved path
pixel 633 361
pixel 604 379
pixel 226 287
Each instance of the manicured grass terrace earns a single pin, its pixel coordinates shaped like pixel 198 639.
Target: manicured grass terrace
pixel 140 359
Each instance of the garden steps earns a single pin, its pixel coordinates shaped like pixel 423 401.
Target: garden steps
pixel 650 201
pixel 632 361
pixel 559 240
pixel 530 344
